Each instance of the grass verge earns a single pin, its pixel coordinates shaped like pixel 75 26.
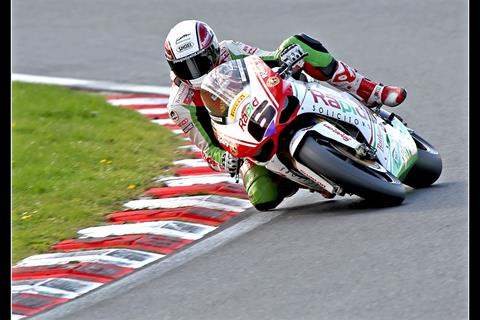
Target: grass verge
pixel 75 158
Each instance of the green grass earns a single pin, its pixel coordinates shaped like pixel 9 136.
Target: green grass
pixel 75 158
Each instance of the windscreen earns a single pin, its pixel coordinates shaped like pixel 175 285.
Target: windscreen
pixel 222 85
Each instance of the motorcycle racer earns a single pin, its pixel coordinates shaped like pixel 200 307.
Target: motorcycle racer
pixel 192 50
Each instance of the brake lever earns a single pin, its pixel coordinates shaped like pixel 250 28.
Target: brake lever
pixel 236 175
pixel 284 68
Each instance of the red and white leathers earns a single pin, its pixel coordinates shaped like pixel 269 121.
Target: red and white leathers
pixel 265 189
pixel 186 108
pixel 348 79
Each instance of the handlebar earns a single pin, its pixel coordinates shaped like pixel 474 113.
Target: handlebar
pixel 284 69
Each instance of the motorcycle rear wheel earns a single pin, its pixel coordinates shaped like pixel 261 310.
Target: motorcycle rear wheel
pixel 380 187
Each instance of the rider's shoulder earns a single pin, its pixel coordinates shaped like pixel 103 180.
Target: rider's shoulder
pixel 231 44
pixel 180 94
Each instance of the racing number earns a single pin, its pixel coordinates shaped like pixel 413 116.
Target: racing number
pixel 260 119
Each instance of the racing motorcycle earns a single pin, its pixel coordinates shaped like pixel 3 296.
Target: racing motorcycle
pixel 323 139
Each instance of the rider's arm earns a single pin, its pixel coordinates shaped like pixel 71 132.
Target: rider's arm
pixel 238 50
pixel 195 122
pixel 319 63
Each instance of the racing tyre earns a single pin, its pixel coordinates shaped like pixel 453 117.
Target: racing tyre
pixel 381 187
pixel 427 168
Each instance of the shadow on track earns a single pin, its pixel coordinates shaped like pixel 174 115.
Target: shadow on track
pixel 446 195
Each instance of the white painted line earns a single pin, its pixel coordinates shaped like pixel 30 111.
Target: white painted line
pixel 56 287
pixel 210 202
pixel 120 257
pixel 163 122
pixel 153 111
pixel 178 229
pixel 138 101
pixel 191 163
pixel 16 316
pixel 196 179
pixel 91 84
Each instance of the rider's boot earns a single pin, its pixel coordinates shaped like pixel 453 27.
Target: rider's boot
pixel 371 93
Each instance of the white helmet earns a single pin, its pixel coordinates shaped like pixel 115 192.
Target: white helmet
pixel 192 50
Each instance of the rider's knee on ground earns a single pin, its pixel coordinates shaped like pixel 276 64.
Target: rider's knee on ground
pixel 261 186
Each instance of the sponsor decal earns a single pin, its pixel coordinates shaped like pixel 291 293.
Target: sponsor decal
pixel 184 46
pixel 250 50
pixel 182 38
pixel 380 143
pixel 217 119
pixel 224 55
pixel 189 97
pixel 234 149
pixel 247 112
pixel 227 142
pixel 314 179
pixel 261 68
pixel 174 115
pixel 346 112
pixel 183 95
pixel 186 125
pixel 344 136
pixel 272 81
pixel 236 103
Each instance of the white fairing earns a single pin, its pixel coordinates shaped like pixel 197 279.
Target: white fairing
pixel 304 176
pixel 395 148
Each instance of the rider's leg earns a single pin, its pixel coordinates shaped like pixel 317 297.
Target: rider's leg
pixel 265 189
pixel 321 65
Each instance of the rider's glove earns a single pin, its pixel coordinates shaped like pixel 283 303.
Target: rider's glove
pixel 230 163
pixel 290 54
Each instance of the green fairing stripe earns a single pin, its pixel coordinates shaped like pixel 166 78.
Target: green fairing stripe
pixel 240 56
pixel 406 168
pixel 213 151
pixel 315 58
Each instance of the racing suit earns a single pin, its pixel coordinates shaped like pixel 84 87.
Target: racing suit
pixel 265 189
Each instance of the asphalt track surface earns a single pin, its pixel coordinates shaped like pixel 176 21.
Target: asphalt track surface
pixel 312 258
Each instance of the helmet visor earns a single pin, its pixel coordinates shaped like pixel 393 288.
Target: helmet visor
pixel 196 66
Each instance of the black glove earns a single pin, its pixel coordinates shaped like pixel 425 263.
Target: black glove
pixel 231 164
pixel 291 53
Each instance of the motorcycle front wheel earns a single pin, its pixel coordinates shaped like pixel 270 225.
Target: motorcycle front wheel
pixel 428 167
pixel 374 185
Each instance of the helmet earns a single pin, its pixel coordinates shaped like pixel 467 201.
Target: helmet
pixel 191 50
